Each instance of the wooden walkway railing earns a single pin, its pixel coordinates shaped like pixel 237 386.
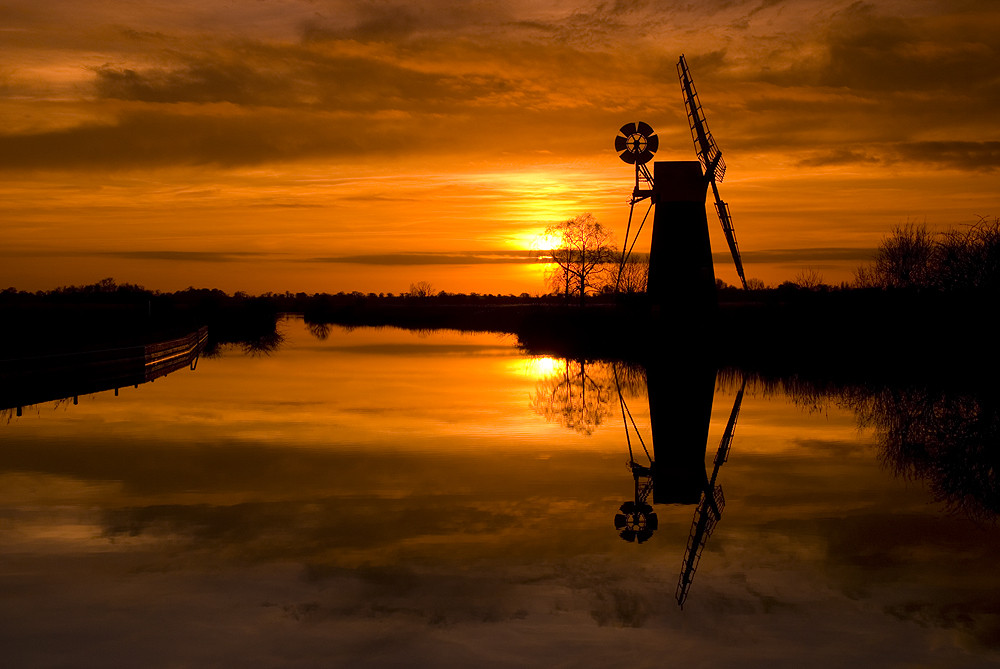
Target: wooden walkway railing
pixel 37 379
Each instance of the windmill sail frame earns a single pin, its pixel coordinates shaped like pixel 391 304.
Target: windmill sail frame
pixel 711 159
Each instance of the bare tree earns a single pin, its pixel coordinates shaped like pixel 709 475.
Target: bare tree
pixel 903 260
pixel 634 275
pixel 421 289
pixel 967 258
pixel 809 279
pixel 583 256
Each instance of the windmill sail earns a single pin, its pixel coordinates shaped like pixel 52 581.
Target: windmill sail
pixel 727 228
pixel 710 157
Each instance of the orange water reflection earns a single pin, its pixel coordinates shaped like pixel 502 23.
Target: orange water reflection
pixel 383 497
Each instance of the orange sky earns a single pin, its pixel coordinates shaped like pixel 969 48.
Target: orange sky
pixel 325 146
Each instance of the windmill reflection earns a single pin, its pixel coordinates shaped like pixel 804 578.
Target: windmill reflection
pixel 675 473
pixel 668 467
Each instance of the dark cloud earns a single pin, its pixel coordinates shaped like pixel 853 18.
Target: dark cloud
pixel 382 79
pixel 487 257
pixel 373 22
pixel 869 49
pixel 199 82
pixel 838 157
pixel 467 258
pixel 799 256
pixel 154 137
pixel 275 502
pixel 863 47
pixel 293 76
pixel 971 156
pixel 957 155
pixel 184 256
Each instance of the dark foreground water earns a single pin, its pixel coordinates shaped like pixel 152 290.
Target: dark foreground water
pixel 388 499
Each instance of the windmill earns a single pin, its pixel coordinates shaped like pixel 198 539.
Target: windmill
pixel 710 157
pixel 681 269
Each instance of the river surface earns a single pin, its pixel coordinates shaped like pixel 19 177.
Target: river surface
pixel 386 498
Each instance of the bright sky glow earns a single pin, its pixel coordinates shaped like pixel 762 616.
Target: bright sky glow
pixel 257 146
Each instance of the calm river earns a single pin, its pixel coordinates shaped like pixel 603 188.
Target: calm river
pixel 385 498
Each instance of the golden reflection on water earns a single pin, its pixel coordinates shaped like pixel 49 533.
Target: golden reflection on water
pixel 383 497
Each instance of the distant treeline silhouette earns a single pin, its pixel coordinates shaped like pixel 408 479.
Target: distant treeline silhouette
pixel 923 294
pixel 107 314
pixel 911 257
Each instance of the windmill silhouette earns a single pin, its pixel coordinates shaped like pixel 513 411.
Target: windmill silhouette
pixel 680 256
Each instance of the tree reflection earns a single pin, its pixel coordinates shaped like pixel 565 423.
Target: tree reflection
pixel 577 397
pixel 948 440
pixel 319 330
pixel 944 436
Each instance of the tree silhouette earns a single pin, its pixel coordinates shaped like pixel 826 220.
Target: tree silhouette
pixel 960 259
pixel 634 275
pixel 582 257
pixel 421 289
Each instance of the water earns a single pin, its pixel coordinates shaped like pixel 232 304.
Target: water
pixel 386 498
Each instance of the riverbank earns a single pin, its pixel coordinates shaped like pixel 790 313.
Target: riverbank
pixel 861 333
pixel 867 332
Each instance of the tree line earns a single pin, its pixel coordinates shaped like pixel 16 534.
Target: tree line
pixel 584 261
pixel 957 260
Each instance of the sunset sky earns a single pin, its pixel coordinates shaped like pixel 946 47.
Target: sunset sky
pixel 313 145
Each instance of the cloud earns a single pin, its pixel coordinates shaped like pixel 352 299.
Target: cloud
pixel 381 79
pixel 799 256
pixel 220 136
pixel 838 157
pixel 971 156
pixel 292 76
pixel 466 258
pixel 198 82
pixel 184 256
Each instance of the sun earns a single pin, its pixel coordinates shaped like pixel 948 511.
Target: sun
pixel 535 240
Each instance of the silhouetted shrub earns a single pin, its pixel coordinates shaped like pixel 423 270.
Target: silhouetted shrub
pixel 911 257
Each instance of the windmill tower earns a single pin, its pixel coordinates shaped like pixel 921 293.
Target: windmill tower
pixel 681 270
